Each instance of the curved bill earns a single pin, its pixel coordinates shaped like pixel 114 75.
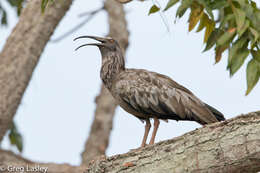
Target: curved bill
pixel 100 39
pixel 89 44
pixel 92 37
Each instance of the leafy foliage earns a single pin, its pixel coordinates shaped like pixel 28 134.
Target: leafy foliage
pixel 236 28
pixel 17 4
pixel 15 137
pixel 153 9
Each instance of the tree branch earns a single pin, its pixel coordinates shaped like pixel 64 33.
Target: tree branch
pixel 21 54
pixel 231 146
pixel 98 139
pixel 9 160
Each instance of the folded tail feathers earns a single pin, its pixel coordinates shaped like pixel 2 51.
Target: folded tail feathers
pixel 218 115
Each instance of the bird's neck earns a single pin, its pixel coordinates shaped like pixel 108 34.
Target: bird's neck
pixel 112 64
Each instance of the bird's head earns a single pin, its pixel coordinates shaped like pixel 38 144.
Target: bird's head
pixel 112 58
pixel 106 44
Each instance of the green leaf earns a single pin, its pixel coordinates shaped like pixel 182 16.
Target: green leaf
pixel 170 4
pixel 226 19
pixel 244 28
pixel 19 6
pixel 254 5
pixel 255 20
pixel 249 9
pixel 226 37
pixel 242 42
pixel 252 74
pixel 15 137
pixel 209 11
pixel 206 5
pixel 218 4
pixel 213 38
pixel 153 9
pixel 238 61
pixel 4 18
pixel 202 22
pixel 256 55
pixel 210 25
pixel 43 5
pixel 218 52
pixel 240 17
pixel 195 15
pixel 255 34
pixel 242 2
pixel 183 7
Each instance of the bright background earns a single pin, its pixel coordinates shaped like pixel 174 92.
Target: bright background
pixel 57 109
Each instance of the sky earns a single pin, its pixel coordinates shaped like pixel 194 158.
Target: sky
pixel 58 106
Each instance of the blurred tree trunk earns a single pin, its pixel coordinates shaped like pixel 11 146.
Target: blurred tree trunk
pixel 232 146
pixel 21 54
pixel 98 139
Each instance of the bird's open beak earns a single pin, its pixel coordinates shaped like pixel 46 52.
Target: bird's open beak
pixel 100 39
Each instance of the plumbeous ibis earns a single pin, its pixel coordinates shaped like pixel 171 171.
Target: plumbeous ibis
pixel 147 94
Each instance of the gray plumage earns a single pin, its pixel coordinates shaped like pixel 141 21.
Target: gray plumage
pixel 147 94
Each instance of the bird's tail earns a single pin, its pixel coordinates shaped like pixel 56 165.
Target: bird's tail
pixel 218 115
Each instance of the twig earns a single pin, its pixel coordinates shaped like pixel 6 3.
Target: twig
pixel 165 22
pixel 90 15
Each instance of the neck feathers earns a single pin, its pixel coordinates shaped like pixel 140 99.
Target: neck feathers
pixel 112 64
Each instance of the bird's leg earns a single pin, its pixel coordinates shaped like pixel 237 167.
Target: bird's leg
pixel 146 132
pixel 155 128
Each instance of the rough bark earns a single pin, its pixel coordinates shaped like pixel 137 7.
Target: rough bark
pixel 232 146
pixel 11 161
pixel 21 54
pixel 98 139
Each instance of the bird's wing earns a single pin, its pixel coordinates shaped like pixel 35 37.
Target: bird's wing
pixel 157 95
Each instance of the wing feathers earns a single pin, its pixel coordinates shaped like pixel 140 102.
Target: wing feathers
pixel 157 95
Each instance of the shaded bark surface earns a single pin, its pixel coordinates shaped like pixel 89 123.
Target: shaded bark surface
pixel 232 146
pixel 98 139
pixel 21 54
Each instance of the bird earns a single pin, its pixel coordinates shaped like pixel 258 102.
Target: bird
pixel 146 94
